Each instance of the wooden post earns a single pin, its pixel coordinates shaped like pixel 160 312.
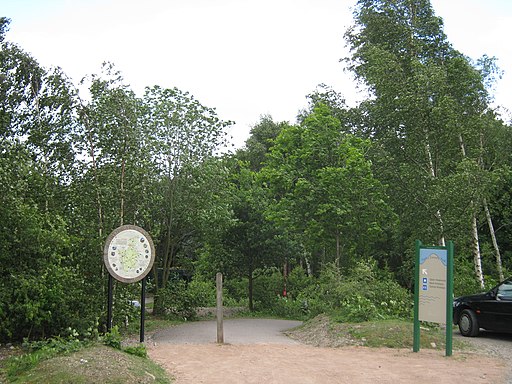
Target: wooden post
pixel 220 314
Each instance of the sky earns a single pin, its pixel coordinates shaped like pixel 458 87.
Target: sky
pixel 246 58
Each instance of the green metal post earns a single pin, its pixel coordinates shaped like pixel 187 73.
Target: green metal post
pixel 416 332
pixel 449 299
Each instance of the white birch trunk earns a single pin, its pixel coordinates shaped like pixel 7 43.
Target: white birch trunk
pixel 497 252
pixel 477 256
pixel 476 253
pixel 442 241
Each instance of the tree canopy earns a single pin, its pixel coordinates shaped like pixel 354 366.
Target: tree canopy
pixel 339 195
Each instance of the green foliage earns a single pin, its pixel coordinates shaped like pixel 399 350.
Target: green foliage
pixel 137 350
pixel 204 292
pixel 324 191
pixel 177 301
pixel 365 293
pixel 42 350
pixel 235 292
pixel 464 281
pixel 417 160
pixel 297 281
pixel 361 294
pixel 113 338
pixel 268 287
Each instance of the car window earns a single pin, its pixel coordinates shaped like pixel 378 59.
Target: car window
pixel 505 290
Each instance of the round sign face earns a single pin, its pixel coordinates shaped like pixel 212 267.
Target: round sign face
pixel 129 253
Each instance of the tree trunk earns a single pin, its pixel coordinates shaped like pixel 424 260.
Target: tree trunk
pixel 432 170
pixel 338 253
pixel 497 252
pixel 499 265
pixel 477 256
pixel 251 281
pixel 121 211
pixel 476 253
pixel 309 271
pixel 285 277
pixel 95 174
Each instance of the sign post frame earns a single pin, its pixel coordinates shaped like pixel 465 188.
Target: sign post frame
pixel 449 249
pixel 133 244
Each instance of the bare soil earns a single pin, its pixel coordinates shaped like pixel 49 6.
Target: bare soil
pixel 267 361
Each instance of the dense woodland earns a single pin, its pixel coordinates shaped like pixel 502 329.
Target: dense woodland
pixel 316 216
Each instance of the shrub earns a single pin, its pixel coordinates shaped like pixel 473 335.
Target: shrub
pixel 464 281
pixel 204 293
pixel 176 301
pixel 363 294
pixel 137 350
pixel 297 282
pixel 42 350
pixel 267 289
pixel 113 338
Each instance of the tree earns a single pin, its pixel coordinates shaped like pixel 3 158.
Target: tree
pixel 261 139
pixel 324 189
pixel 252 243
pixel 184 136
pixel 40 292
pixel 426 116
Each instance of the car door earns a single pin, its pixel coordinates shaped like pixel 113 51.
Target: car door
pixel 494 309
pixel 503 304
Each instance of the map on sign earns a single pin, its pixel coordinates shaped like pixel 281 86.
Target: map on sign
pixel 129 253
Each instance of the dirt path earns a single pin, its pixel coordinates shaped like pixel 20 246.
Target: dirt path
pixel 257 356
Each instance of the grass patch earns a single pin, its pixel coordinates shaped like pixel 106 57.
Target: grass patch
pixel 54 360
pixel 396 334
pixel 323 331
pixel 152 324
pixel 94 364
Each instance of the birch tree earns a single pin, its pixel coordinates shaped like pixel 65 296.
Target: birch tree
pixel 425 113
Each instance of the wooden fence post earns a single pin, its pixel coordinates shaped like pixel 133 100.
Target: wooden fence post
pixel 220 310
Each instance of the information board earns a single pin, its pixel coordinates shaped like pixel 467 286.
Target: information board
pixel 433 290
pixel 432 285
pixel 129 253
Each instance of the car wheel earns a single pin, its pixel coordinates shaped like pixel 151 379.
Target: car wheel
pixel 468 323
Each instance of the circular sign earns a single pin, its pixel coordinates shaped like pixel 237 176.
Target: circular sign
pixel 129 253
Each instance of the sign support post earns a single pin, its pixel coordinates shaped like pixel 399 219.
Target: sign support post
pixel 416 336
pixel 110 301
pixel 142 309
pixel 449 300
pixel 129 254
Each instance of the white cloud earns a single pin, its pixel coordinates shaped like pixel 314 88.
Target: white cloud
pixel 246 58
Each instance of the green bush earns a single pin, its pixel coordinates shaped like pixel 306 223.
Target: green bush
pixel 464 281
pixel 176 301
pixel 41 350
pixel 235 290
pixel 357 308
pixel 362 294
pixel 267 289
pixel 204 293
pixel 113 338
pixel 137 350
pixel 297 282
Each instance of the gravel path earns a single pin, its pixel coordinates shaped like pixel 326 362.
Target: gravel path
pixel 257 352
pixel 494 344
pixel 236 331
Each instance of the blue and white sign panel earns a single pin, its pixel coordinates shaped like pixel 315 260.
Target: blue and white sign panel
pixel 432 289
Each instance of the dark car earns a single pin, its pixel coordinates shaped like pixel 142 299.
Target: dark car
pixel 490 310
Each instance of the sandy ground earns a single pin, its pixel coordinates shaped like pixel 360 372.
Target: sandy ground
pixel 256 352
